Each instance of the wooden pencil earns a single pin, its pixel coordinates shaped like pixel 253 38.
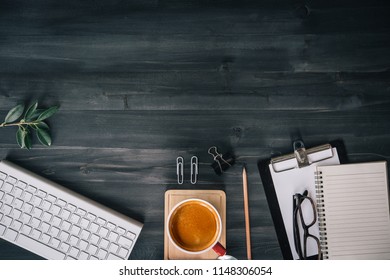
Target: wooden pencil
pixel 246 211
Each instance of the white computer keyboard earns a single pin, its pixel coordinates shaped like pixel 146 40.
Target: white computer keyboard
pixel 56 223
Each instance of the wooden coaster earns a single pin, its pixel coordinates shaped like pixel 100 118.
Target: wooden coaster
pixel 216 197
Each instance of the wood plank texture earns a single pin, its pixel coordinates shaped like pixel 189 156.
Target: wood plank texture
pixel 142 82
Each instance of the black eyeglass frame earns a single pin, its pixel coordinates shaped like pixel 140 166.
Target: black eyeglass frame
pixel 298 199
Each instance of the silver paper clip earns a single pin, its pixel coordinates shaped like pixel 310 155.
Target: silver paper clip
pixel 194 170
pixel 180 170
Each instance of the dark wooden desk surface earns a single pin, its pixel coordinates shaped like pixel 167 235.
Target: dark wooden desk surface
pixel 142 82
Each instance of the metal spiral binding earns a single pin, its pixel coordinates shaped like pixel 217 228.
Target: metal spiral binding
pixel 321 214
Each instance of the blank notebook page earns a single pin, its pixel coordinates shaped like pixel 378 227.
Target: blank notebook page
pixel 355 204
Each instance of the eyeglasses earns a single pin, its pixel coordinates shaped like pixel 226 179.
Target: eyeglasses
pixel 305 216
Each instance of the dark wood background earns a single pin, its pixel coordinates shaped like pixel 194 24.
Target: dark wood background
pixel 141 82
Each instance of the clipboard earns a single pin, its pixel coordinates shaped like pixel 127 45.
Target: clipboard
pixel 286 175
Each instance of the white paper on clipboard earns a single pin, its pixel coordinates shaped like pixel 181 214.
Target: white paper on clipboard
pixel 288 180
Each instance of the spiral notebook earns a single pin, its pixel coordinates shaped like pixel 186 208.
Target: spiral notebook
pixel 353 208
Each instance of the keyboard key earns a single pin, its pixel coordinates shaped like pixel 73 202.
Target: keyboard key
pixel 93 258
pixel 84 223
pixel 3 176
pixel 27 207
pixel 45 238
pixel 16 213
pixel 94 227
pixel 36 200
pixel 8 199
pixel 123 252
pixel 55 242
pixel 2 194
pixel 2 229
pixel 125 242
pixel 45 227
pixel 75 230
pixel 56 221
pixel 74 252
pixel 25 218
pixel 66 225
pixel 46 205
pixel 83 256
pixel 91 217
pixel 104 243
pixel 103 232
pixel 10 234
pixel 17 203
pixel 41 193
pixel 130 235
pixel 6 221
pixel 26 229
pixel 64 247
pixel 102 254
pixel 51 198
pixel 113 236
pixel 7 187
pixel 71 207
pixel 55 209
pixel 80 212
pixel 84 234
pixel 121 231
pixel 16 225
pixel 111 226
pixel 6 209
pixel 64 236
pixel 92 249
pixel 37 212
pixel 54 231
pixel 83 244
pixel 18 192
pixel 61 203
pixel 113 257
pixel 101 221
pixel 27 196
pixel 73 240
pixel 94 238
pixel 113 248
pixel 65 214
pixel 46 216
pixel 35 234
pixel 1 183
pixel 74 219
pixel 12 180
pixel 43 249
pixel 22 184
pixel 31 189
pixel 35 222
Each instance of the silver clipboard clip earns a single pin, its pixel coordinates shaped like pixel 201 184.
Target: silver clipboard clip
pixel 301 157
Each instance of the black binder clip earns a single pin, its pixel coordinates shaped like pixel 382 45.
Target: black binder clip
pixel 221 162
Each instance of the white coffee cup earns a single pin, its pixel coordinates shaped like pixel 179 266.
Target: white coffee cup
pixel 194 226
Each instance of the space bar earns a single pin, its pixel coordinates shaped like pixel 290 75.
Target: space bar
pixel 39 248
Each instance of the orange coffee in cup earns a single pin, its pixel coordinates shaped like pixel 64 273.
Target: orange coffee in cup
pixel 194 225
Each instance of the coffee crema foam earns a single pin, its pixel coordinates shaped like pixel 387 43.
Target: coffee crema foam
pixel 194 226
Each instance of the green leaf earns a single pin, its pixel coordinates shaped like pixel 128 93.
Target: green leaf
pixel 43 125
pixel 14 113
pixel 27 140
pixel 48 113
pixel 44 136
pixel 40 125
pixel 37 113
pixel 30 111
pixel 20 137
pixel 23 138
